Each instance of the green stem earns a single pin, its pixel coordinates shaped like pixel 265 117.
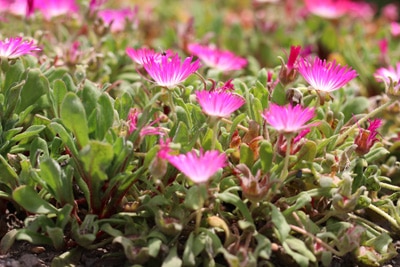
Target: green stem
pixel 376 228
pixel 215 133
pixel 390 187
pixel 241 127
pixel 389 218
pixel 318 240
pixel 199 214
pixel 172 104
pixel 361 121
pixel 285 170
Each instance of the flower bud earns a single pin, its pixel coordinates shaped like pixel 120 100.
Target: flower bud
pixel 367 137
pixel 254 188
pixel 289 73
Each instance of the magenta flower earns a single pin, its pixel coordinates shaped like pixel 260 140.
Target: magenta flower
pixel 366 138
pixel 143 54
pixel 94 5
pixel 170 71
pixel 390 12
pixel 385 74
pixel 288 119
pixel 326 8
pixel 288 72
pixel 329 9
pixel 296 143
pixel 395 29
pixel 198 167
pixel 294 53
pixel 333 9
pixel 219 59
pixel 21 7
pixel 16 47
pixel 219 103
pixel 149 129
pixel 325 76
pixel 117 18
pixel 55 8
pixel 4 5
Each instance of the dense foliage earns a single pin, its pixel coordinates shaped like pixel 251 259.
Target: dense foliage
pixel 245 134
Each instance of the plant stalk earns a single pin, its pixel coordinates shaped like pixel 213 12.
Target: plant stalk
pixel 364 119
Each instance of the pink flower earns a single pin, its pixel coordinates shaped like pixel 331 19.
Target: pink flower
pixel 117 18
pixel 149 129
pixel 395 29
pixel 361 10
pixel 294 53
pixel 390 12
pixel 16 47
pixel 295 144
pixel 4 5
pixel 55 8
pixel 383 46
pixel 21 7
pixel 219 103
pixel 197 166
pixel 333 9
pixel 325 76
pixel 288 72
pixel 170 71
pixel 219 59
pixel 288 119
pixel 366 138
pixel 94 5
pixel 383 74
pixel 142 54
pixel 329 9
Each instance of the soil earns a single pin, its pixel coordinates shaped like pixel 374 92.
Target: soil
pixel 24 254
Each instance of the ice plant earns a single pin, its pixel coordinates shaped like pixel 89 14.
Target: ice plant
pixel 387 74
pixel 117 18
pixel 288 119
pixel 55 8
pixel 222 60
pixel 329 9
pixel 390 12
pixel 95 5
pixel 149 129
pixel 170 71
pixel 288 72
pixel 200 166
pixel 21 7
pixel 395 29
pixel 219 103
pixel 140 55
pixel 255 188
pixel 16 47
pixel 296 143
pixel 366 138
pixel 325 76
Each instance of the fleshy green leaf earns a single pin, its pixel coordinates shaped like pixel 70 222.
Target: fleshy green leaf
pixel 31 131
pixel 74 118
pixel 172 259
pixel 30 200
pixel 266 155
pixel 35 86
pixel 280 223
pixel 59 92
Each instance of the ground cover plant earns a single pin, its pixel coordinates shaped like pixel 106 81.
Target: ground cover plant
pixel 200 133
